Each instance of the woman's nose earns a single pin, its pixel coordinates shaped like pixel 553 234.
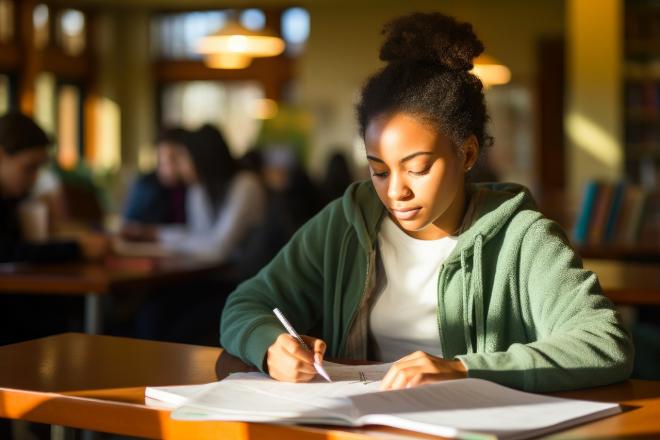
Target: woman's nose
pixel 398 188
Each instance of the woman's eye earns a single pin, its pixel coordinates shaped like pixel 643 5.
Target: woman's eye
pixel 382 174
pixel 420 173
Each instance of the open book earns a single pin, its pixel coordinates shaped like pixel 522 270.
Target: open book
pixel 465 408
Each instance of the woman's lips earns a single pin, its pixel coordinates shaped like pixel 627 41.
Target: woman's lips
pixel 405 214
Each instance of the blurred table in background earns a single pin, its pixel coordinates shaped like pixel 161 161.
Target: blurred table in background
pixel 627 283
pixel 92 280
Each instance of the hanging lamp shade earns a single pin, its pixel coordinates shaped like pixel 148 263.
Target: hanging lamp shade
pixel 490 71
pixel 234 47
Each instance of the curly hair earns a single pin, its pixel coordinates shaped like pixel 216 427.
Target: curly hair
pixel 429 58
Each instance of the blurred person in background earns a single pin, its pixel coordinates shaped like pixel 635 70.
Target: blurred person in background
pixel 158 198
pixel 226 209
pixel 24 235
pixel 295 196
pixel 337 177
pixel 223 202
pixel 24 229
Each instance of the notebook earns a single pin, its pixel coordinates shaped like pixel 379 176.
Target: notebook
pixel 464 408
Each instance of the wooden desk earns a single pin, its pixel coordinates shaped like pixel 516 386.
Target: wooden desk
pixel 97 383
pixel 628 283
pixel 95 279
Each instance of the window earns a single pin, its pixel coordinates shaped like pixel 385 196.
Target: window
pixel 58 110
pixel 295 29
pixel 235 107
pixel 44 101
pixel 175 36
pixel 6 21
pixel 5 94
pixel 41 24
pixel 71 33
pixel 69 129
pixel 253 19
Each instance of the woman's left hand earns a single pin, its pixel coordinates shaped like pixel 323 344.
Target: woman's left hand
pixel 421 368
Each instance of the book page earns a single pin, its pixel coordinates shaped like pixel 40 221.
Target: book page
pixel 473 405
pixel 373 372
pixel 267 399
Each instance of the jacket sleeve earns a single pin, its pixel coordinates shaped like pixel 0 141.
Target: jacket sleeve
pixel 292 281
pixel 578 338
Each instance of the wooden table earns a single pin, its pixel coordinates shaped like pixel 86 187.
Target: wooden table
pixel 628 283
pixel 96 279
pixel 97 383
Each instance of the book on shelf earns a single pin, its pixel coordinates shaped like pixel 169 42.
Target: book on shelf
pixel 617 214
pixel 465 408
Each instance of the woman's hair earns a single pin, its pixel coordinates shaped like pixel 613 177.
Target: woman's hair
pixel 174 135
pixel 429 58
pixel 214 164
pixel 19 133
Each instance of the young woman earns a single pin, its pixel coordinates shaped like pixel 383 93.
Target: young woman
pixel 417 266
pixel 223 203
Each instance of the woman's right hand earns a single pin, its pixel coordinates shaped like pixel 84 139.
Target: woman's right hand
pixel 288 361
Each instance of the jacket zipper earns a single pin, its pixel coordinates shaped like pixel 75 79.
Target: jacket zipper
pixel 437 313
pixel 359 306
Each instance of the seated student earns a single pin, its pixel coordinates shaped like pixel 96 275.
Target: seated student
pixel 225 209
pixel 448 279
pixel 23 151
pixel 223 202
pixel 158 198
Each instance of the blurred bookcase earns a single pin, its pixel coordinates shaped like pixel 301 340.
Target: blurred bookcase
pixel 621 220
pixel 642 92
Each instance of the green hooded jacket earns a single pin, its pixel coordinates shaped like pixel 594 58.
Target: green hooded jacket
pixel 514 303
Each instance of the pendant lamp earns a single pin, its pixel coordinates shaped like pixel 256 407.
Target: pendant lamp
pixel 233 46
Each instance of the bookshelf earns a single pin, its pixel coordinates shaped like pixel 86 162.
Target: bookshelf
pixel 621 220
pixel 641 51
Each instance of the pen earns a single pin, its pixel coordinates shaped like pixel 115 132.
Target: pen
pixel 317 366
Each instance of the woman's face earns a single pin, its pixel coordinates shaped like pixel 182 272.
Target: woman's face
pixel 18 172
pixel 186 167
pixel 166 164
pixel 418 174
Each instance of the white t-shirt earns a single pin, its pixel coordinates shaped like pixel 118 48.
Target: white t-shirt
pixel 403 318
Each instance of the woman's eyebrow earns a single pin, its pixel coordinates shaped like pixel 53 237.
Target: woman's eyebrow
pixel 405 159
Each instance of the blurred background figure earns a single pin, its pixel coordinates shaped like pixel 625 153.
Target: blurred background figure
pixel 225 221
pixel 24 234
pixel 337 177
pixel 24 230
pixel 223 203
pixel 158 197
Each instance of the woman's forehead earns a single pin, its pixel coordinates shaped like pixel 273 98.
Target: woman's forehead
pixel 402 134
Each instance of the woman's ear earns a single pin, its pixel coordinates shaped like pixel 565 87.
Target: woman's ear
pixel 470 149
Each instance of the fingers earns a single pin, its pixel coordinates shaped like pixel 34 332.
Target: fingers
pixel 291 345
pixel 317 346
pixel 420 368
pixel 288 361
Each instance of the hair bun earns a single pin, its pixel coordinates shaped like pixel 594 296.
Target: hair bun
pixel 432 38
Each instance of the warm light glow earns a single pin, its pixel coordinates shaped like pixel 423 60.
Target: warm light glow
pixel 67 132
pixel 227 61
pixel 253 46
pixel 594 140
pixel 491 72
pixel 108 134
pixel 233 46
pixel 265 109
